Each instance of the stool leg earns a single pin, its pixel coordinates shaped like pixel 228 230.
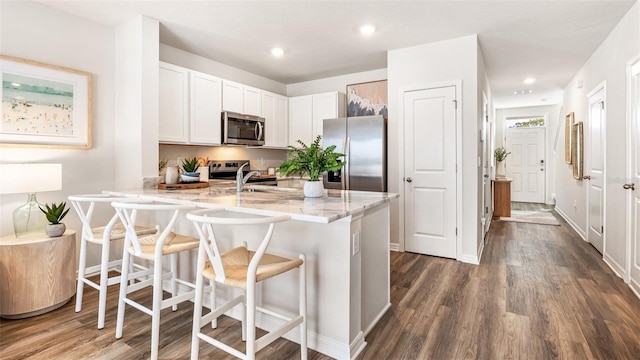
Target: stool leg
pixel 243 317
pixel 82 264
pixel 157 302
pixel 251 321
pixel 214 322
pixel 303 308
pixel 104 280
pixel 197 307
pixel 174 273
pixel 126 258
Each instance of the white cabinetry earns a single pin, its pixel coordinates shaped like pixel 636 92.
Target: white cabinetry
pixel 306 114
pixel 275 110
pixel 174 104
pixel 190 106
pixel 241 99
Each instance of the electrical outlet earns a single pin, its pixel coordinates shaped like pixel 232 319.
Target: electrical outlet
pixel 356 244
pixel 262 162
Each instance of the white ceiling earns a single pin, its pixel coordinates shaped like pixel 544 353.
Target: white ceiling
pixel 547 40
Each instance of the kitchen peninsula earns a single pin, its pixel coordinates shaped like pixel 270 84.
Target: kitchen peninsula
pixel 345 237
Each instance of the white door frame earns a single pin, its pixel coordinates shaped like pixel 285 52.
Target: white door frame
pixel 633 103
pixel 602 86
pixel 458 85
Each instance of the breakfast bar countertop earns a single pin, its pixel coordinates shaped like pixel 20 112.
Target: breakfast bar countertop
pixel 269 200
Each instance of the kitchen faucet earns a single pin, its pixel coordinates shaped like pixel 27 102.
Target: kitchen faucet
pixel 240 181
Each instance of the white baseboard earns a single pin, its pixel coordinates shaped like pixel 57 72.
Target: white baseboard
pixel 357 345
pixel 614 266
pixel 375 321
pixel 470 259
pixel 571 223
pixel 635 287
pixel 394 247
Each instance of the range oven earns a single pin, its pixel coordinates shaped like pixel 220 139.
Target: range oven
pixel 227 169
pixel 240 129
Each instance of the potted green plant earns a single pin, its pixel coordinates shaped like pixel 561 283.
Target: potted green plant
pixel 500 154
pixel 55 213
pixel 312 161
pixel 190 167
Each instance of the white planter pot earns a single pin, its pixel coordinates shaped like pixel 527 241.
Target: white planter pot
pixel 313 189
pixel 190 177
pixel 500 170
pixel 55 230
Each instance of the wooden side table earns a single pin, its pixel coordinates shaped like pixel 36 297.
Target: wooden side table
pixel 502 197
pixel 37 274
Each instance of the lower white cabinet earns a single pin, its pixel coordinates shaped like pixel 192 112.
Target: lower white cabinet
pixel 190 106
pixel 275 110
pixel 306 114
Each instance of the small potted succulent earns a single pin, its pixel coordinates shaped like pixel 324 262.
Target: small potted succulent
pixel 312 161
pixel 190 167
pixel 55 213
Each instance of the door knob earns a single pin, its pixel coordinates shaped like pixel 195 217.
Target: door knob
pixel 409 179
pixel 486 176
pixel 587 177
pixel 541 169
pixel 631 186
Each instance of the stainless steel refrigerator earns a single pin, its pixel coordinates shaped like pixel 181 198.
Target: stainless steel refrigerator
pixel 363 140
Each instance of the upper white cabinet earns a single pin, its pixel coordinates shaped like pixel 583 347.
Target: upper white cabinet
pixel 241 99
pixel 206 106
pixel 174 104
pixel 306 114
pixel 190 106
pixel 275 110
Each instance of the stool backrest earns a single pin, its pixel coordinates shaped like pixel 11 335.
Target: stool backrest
pixel 205 221
pixel 127 213
pixel 85 205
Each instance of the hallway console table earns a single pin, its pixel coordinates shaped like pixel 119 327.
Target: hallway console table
pixel 37 274
pixel 502 197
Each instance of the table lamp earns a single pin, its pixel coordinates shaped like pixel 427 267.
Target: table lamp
pixel 30 179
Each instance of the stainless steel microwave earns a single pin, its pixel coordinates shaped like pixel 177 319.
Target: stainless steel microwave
pixel 240 129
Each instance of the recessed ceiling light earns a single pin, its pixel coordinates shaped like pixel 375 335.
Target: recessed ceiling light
pixel 529 81
pixel 367 29
pixel 277 51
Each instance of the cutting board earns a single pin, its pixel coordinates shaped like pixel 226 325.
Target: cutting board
pixel 184 186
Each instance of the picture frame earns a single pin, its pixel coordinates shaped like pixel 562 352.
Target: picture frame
pixel 577 150
pixel 368 98
pixel 568 123
pixel 44 105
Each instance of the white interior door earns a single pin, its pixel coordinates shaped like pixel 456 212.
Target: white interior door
pixel 430 171
pixel 634 184
pixel 526 164
pixel 486 168
pixel 594 169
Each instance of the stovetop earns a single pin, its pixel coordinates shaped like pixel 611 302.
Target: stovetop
pixel 227 169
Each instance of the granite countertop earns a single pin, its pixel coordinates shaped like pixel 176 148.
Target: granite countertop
pixel 270 200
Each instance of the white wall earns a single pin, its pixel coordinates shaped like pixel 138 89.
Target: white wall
pixel 194 62
pixel 552 149
pixel 336 83
pixel 449 60
pixel 607 64
pixel 34 31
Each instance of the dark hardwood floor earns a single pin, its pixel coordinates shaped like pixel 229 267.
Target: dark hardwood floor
pixel 540 292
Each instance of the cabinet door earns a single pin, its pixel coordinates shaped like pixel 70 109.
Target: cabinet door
pixel 275 110
pixel 300 120
pixel 252 101
pixel 206 106
pixel 174 104
pixel 325 106
pixel 232 97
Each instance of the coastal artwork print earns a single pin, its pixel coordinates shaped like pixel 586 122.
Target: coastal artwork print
pixel 44 105
pixel 368 98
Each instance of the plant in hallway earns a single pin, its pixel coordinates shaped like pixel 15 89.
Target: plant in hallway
pixel 312 161
pixel 54 214
pixel 501 154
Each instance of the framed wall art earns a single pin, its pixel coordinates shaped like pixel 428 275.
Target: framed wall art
pixel 577 150
pixel 44 105
pixel 568 123
pixel 368 98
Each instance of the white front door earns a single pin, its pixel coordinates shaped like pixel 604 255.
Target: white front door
pixel 594 168
pixel 634 184
pixel 430 171
pixel 526 164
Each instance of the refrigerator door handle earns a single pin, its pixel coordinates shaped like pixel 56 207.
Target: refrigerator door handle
pixel 345 175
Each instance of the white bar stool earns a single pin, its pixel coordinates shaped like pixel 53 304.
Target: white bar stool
pixel 85 205
pixel 242 268
pixel 153 248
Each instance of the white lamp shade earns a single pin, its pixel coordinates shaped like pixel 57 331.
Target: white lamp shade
pixel 30 178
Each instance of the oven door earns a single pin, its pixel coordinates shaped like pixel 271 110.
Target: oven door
pixel 242 129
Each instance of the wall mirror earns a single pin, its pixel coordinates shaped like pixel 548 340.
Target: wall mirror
pixel 577 150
